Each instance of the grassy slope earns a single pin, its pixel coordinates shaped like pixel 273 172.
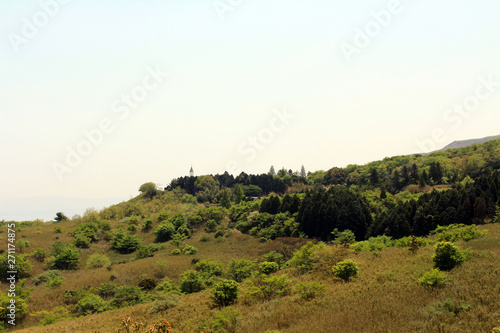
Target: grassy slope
pixel 384 298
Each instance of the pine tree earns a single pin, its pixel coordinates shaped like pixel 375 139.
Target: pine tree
pixel 225 200
pixel 239 195
pixel 272 172
pixel 303 172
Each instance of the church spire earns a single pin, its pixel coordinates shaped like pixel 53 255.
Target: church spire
pixel 191 172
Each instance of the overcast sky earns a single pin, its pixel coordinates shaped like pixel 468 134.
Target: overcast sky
pixel 98 97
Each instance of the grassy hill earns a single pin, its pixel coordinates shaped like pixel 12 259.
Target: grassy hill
pixel 161 255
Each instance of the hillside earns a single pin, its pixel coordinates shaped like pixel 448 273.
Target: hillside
pixel 267 244
pixel 467 143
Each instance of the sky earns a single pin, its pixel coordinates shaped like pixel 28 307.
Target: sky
pixel 99 97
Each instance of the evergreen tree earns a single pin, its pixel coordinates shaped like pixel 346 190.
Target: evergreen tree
pixel 239 195
pixel 225 200
pixel 374 180
pixel 303 172
pixel 272 172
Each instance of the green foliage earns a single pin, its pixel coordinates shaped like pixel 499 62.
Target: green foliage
pixel 189 250
pixel 91 303
pixel 302 258
pixel 59 313
pixel 225 200
pixel 148 189
pixel 209 267
pixel 125 242
pixel 97 260
pixel 226 321
pixel 225 293
pixel 164 232
pixel 63 256
pixel 433 278
pixel 454 232
pixel 147 225
pixel 276 257
pixel 176 252
pixel 449 305
pixel 58 229
pixel 343 237
pixel 240 269
pixel 85 233
pixel 127 296
pixel 205 237
pixel 345 269
pixel 164 302
pixel 48 277
pixel 309 290
pixel 107 289
pixel 267 287
pixel 39 254
pixel 191 282
pixel 447 256
pixel 22 263
pixel 267 267
pixel 21 308
pixel 178 239
pixel 166 286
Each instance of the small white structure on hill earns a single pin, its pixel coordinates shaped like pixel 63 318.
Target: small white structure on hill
pixel 191 172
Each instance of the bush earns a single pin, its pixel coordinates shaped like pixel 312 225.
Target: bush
pixel 343 237
pixel 226 321
pixel 23 266
pixel 47 277
pixel 63 256
pixel 205 237
pixel 147 225
pixel 147 283
pixel 302 258
pixel 164 302
pixel 164 232
pixel 58 229
pixel 59 313
pixel 125 242
pixel 309 290
pixel 433 278
pixel 191 282
pixel 239 270
pixel 447 256
pixel 274 256
pixel 189 250
pixel 107 290
pixel 225 293
pixel 176 252
pixel 267 287
pixel 39 254
pixel 166 286
pixel 267 267
pixel 98 260
pixel 21 308
pixel 345 269
pixel 209 267
pixel 126 296
pixel 91 304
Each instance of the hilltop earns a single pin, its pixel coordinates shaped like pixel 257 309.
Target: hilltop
pixel 268 244
pixel 467 143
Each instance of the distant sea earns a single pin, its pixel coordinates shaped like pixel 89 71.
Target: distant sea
pixel 45 208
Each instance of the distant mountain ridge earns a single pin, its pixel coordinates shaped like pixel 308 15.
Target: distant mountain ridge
pixel 466 143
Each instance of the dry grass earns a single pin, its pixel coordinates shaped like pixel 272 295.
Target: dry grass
pixel 385 297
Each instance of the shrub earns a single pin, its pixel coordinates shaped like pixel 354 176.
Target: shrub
pixel 164 302
pixel 59 313
pixel 205 237
pixel 239 270
pixel 164 232
pixel 147 225
pixel 302 258
pixel 309 290
pixel 433 278
pixel 189 250
pixel 107 290
pixel 21 308
pixel 447 256
pixel 47 277
pixel 267 267
pixel 58 229
pixel 191 282
pixel 98 260
pixel 132 228
pixel 274 256
pixel 126 296
pixel 266 287
pixel 125 242
pixel 166 286
pixel 39 254
pixel 343 237
pixel 209 267
pixel 64 257
pixel 450 305
pixel 23 266
pixel 226 321
pixel 147 283
pixel 345 269
pixel 225 293
pixel 91 304
pixel 162 268
pixel 176 252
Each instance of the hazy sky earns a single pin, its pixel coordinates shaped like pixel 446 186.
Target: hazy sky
pixel 98 97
